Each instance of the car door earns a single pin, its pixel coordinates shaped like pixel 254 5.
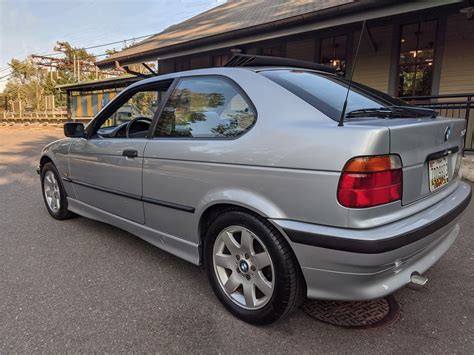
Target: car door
pixel 198 124
pixel 106 168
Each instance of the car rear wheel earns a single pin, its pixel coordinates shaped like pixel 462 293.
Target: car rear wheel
pixel 251 268
pixel 54 194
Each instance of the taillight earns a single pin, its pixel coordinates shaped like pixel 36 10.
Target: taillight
pixel 370 181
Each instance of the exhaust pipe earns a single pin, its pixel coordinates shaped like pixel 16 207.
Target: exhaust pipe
pixel 418 280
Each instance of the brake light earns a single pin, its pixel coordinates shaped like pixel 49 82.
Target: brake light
pixel 370 181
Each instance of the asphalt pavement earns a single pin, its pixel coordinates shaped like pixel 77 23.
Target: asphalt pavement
pixel 84 286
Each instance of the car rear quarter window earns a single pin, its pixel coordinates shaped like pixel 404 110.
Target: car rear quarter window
pixel 327 92
pixel 205 107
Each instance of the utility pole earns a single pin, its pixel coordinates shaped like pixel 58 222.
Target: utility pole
pixel 37 90
pixel 74 65
pixel 79 66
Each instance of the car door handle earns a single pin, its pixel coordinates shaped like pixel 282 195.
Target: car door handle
pixel 130 153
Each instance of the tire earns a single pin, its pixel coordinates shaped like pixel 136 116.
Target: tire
pixel 52 185
pixel 237 247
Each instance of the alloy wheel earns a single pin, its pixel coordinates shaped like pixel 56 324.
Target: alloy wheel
pixel 243 267
pixel 51 191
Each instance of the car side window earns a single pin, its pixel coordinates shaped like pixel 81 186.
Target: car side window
pixel 140 107
pixel 205 107
pixel 141 104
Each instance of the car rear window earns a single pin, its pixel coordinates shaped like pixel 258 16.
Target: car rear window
pixel 327 92
pixel 205 107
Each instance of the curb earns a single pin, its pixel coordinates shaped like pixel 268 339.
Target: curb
pixel 467 168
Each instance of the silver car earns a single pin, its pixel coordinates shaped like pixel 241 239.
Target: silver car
pixel 251 172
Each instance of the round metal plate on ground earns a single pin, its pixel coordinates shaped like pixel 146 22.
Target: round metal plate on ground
pixel 367 314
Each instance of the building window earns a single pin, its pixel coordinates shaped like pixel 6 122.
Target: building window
pixel 334 53
pixel 274 51
pixel 415 66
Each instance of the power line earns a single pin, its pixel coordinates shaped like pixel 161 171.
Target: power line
pixel 9 74
pixel 92 47
pixel 20 61
pixel 2 78
pixel 102 45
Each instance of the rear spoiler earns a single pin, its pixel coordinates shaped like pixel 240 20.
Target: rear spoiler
pixel 247 60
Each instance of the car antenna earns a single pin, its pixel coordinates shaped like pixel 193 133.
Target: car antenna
pixel 343 113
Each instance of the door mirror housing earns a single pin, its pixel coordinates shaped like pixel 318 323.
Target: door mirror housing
pixel 74 130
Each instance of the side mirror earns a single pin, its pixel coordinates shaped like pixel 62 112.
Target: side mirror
pixel 74 130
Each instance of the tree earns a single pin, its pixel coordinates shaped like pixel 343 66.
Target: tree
pixel 26 83
pixel 29 83
pixel 3 106
pixel 75 57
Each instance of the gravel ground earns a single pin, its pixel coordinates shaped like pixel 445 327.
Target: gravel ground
pixel 84 286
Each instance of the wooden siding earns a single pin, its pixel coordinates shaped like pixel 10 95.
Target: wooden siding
pixel 200 62
pixel 88 105
pixel 457 74
pixel 166 66
pixel 303 49
pixel 252 50
pixel 372 67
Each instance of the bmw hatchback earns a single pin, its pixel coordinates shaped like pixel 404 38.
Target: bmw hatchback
pixel 261 173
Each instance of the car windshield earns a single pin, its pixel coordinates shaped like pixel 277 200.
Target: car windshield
pixel 327 92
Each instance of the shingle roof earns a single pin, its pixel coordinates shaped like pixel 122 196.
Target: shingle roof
pixel 233 15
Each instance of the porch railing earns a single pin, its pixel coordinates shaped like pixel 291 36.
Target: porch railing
pixel 451 105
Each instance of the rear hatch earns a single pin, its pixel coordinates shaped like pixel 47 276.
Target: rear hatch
pixel 430 150
pixel 429 146
pixel 426 146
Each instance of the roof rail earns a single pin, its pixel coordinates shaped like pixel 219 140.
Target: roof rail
pixel 247 60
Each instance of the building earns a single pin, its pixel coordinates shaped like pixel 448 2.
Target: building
pixel 422 51
pixel 86 99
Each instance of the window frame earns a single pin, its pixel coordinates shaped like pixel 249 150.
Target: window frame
pixel 122 98
pixel 171 89
pixel 333 37
pixel 416 63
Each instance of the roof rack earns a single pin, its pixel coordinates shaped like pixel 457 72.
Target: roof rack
pixel 247 60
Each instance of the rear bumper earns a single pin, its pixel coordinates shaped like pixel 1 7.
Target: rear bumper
pixel 358 264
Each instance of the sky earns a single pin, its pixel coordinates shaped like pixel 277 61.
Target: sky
pixel 34 26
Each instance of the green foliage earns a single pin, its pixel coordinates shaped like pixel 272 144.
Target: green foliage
pixel 26 84
pixel 2 102
pixel 29 83
pixel 143 102
pixel 195 103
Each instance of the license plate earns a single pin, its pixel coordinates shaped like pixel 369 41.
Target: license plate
pixel 438 173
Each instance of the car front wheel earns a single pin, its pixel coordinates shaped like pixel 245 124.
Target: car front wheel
pixel 251 268
pixel 54 194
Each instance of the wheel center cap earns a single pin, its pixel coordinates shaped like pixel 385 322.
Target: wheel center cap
pixel 244 266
